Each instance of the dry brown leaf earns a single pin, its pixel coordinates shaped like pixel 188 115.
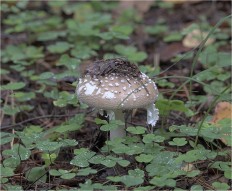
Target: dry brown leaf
pixel 170 50
pixel 222 111
pixel 188 167
pixel 194 39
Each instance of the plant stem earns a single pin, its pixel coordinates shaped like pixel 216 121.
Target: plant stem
pixel 206 115
pixel 201 46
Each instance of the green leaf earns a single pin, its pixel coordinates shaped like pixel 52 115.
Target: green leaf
pixel 100 121
pixel 211 57
pixel 161 182
pixel 163 164
pixel 49 158
pixel 123 29
pixel 67 128
pixel 8 110
pixel 13 86
pixel 114 178
pixel 224 59
pixel 13 53
pixel 220 186
pixel 214 87
pixel 149 138
pixel 228 174
pixel 70 63
pixel 175 36
pixel 121 148
pixel 170 182
pixel 6 137
pixel 65 98
pixel 214 72
pixel 197 154
pixel 48 146
pixel 196 187
pixel 108 163
pixel 82 52
pixel 51 35
pixel 36 174
pixel 193 173
pixel 13 187
pixel 97 159
pixel 4 71
pixel 165 83
pixel 82 157
pixel 23 96
pixel 184 129
pixel 106 35
pixel 59 47
pixel 21 52
pixel 25 107
pixel 129 180
pixel 6 171
pixel 30 135
pixel 89 186
pixel 135 149
pixel 178 142
pixel 12 162
pixel 54 172
pixel 157 29
pixel 131 53
pixel 46 75
pixel 33 52
pixel 123 163
pixel 68 176
pixel 86 171
pixel 144 188
pixel 4 180
pixel 146 158
pixel 112 125
pixel 136 173
pixel 136 130
pixel 18 151
pixel 68 142
pixel 165 106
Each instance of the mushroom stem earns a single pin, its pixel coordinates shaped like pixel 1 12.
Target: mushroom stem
pixel 120 131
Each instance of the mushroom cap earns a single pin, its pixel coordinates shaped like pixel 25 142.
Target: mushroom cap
pixel 116 91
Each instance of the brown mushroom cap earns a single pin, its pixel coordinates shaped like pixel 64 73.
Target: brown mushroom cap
pixel 115 91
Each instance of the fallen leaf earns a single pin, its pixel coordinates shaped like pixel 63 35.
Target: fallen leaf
pixel 194 39
pixel 188 167
pixel 222 111
pixel 171 50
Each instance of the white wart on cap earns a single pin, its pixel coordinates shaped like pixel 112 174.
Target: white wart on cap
pixel 115 91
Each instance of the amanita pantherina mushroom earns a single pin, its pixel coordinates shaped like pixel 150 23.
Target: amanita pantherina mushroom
pixel 115 85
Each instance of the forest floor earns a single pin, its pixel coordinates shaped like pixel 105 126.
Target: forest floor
pixel 51 141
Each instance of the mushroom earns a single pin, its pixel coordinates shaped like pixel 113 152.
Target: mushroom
pixel 115 91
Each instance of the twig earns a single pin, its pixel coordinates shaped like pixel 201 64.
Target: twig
pixel 35 118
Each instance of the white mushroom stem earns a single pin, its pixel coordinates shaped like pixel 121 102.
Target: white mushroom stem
pixel 117 115
pixel 152 118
